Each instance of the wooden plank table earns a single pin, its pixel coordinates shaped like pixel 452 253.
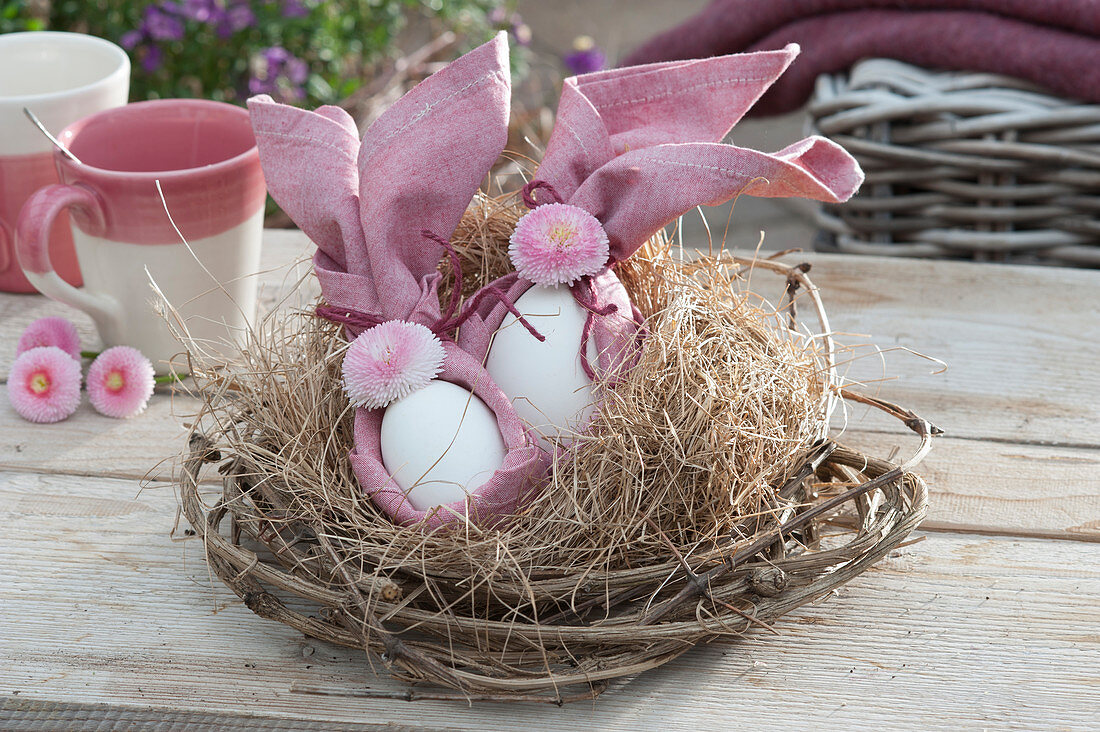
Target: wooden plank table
pixel 108 617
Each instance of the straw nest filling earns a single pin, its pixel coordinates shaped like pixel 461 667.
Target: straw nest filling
pixel 690 457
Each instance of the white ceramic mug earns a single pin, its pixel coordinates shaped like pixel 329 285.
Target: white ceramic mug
pixel 204 155
pixel 61 77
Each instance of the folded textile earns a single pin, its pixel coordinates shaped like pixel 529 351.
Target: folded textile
pixel 1055 44
pixel 366 205
pixel 638 147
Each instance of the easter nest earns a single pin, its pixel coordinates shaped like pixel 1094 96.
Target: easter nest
pixel 705 499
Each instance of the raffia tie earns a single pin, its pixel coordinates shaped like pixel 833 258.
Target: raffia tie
pixel 583 291
pixel 585 295
pixel 528 194
pixel 449 321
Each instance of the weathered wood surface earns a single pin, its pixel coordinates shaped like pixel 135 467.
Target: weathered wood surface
pixel 1021 343
pixel 991 487
pixel 976 485
pixel 105 618
pixel 1018 398
pixel 102 607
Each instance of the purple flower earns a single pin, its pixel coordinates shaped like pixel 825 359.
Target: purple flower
pixel 237 17
pixel 256 85
pixel 521 31
pixel 130 39
pixel 162 22
pixel 150 60
pixel 275 57
pixel 501 19
pixel 294 9
pixel 585 62
pixel 277 72
pixel 203 11
pixel 296 71
pixel 585 58
pixel 240 16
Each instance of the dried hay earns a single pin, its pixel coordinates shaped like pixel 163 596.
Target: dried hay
pixel 713 446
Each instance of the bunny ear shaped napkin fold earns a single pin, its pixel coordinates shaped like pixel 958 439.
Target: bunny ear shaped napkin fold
pixel 620 133
pixel 606 113
pixel 365 205
pixel 639 146
pixel 640 191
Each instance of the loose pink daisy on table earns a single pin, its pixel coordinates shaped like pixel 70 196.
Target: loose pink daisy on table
pixel 50 332
pixel 390 361
pixel 44 384
pixel 557 244
pixel 120 382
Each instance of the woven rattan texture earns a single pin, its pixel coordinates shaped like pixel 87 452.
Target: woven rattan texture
pixel 549 635
pixel 961 165
pixel 566 658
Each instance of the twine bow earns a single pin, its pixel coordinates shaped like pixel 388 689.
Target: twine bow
pixel 448 321
pixel 584 293
pixel 528 193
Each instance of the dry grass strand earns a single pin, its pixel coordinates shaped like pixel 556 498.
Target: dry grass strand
pixel 696 450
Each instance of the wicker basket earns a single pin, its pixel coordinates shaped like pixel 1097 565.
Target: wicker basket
pixel 839 511
pixel 563 658
pixel 961 165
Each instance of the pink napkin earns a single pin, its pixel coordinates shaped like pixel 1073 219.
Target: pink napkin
pixel 637 147
pixel 365 205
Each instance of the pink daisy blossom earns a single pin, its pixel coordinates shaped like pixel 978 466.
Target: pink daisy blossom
pixel 44 384
pixel 557 244
pixel 50 332
pixel 391 361
pixel 120 382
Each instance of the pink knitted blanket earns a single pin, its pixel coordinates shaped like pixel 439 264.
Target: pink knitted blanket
pixel 1054 43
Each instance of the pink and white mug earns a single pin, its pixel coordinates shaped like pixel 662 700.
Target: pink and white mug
pixel 204 155
pixel 61 77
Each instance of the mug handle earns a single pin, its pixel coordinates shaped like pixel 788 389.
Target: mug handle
pixel 32 247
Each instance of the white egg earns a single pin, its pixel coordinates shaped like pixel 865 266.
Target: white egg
pixel 439 443
pixel 545 381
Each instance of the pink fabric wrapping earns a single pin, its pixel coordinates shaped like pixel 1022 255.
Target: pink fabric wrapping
pixel 606 113
pixel 365 206
pixel 417 168
pixel 1054 43
pixel 637 147
pixel 521 474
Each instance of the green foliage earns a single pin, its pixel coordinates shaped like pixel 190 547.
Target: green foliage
pixel 308 52
pixel 15 15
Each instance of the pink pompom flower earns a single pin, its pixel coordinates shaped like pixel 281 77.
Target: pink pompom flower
pixel 44 384
pixel 391 361
pixel 50 332
pixel 557 244
pixel 120 382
